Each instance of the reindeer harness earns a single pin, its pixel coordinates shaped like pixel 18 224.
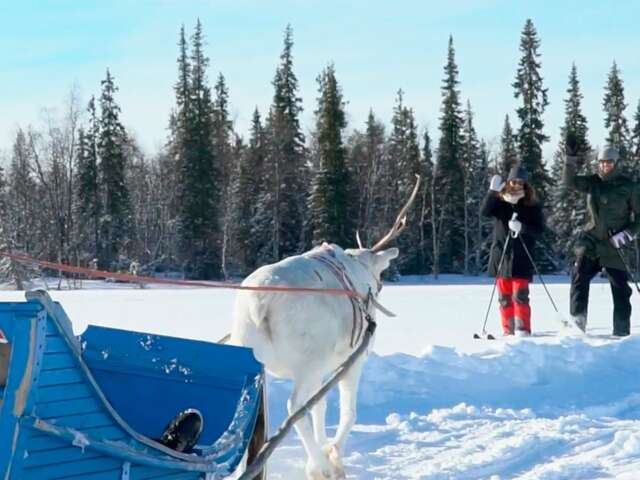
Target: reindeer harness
pixel 360 305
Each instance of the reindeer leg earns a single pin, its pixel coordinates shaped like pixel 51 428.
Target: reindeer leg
pixel 348 387
pixel 318 466
pixel 318 415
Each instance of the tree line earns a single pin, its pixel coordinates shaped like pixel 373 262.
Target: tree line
pixel 213 204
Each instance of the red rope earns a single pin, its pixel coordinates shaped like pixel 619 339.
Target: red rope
pixel 125 277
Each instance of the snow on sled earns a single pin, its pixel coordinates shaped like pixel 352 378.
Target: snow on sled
pixel 106 405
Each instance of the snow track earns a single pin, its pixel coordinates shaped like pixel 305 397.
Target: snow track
pixel 562 410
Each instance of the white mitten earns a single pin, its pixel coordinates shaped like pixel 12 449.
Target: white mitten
pixel 515 226
pixel 496 184
pixel 620 239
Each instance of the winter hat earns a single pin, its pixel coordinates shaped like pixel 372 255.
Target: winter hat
pixel 609 153
pixel 518 171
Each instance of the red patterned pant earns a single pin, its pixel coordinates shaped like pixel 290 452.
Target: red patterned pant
pixel 515 311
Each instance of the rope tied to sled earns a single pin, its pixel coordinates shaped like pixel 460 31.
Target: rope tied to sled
pixel 130 278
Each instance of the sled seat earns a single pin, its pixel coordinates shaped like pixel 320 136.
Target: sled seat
pixel 94 406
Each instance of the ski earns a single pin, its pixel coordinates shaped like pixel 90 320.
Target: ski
pixel 485 336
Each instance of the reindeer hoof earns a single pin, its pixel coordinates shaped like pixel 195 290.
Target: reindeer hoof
pixel 335 459
pixel 319 472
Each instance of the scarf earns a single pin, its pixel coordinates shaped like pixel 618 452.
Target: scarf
pixel 513 197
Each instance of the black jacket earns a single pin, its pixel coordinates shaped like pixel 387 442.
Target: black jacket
pixel 516 263
pixel 614 205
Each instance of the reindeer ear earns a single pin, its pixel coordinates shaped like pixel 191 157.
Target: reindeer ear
pixel 383 258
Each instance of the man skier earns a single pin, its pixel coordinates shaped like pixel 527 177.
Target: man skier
pixel 509 262
pixel 613 205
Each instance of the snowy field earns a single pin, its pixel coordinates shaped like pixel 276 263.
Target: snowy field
pixel 434 403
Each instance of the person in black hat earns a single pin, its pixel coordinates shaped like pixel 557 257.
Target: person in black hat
pixel 518 218
pixel 614 221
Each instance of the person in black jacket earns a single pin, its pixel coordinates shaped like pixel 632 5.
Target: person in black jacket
pixel 515 271
pixel 613 202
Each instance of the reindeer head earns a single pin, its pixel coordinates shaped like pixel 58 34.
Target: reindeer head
pixel 377 259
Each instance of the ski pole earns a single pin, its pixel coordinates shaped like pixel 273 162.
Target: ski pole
pixel 626 266
pixel 495 284
pixel 624 262
pixel 535 267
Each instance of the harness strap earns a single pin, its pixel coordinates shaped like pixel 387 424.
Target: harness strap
pixel 357 307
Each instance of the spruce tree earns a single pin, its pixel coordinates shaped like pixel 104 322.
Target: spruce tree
pixel 473 183
pixel 449 178
pixel 88 193
pixel 223 151
pixel 22 194
pixel 283 203
pixel 246 195
pixel 112 143
pixel 568 209
pixel 199 169
pixel 329 205
pixel 529 89
pixel 508 148
pixel 483 226
pixel 172 166
pixel 614 106
pixel 634 153
pixel 427 207
pixel 413 256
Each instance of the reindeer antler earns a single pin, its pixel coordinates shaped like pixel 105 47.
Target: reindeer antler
pixel 401 220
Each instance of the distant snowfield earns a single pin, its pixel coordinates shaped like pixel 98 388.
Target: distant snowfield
pixel 434 403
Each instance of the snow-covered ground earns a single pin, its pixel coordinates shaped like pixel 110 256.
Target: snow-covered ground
pixel 435 403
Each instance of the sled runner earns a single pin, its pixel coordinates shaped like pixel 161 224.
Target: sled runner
pixel 111 403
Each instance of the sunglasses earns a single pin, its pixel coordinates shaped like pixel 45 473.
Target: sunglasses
pixel 607 161
pixel 516 181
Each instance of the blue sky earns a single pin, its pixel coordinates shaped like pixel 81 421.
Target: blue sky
pixel 378 47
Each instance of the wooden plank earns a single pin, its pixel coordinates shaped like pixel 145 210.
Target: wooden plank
pixel 52 329
pixel 166 475
pixel 52 361
pixel 82 468
pixel 85 421
pixel 67 407
pixel 106 475
pixel 42 440
pixel 56 345
pixel 65 454
pixel 64 376
pixel 63 392
pixel 115 474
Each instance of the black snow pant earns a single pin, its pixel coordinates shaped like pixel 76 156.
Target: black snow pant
pixel 584 269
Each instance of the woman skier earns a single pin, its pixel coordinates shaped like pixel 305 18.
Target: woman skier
pixel 518 220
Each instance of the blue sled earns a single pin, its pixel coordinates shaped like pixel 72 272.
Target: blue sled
pixel 93 407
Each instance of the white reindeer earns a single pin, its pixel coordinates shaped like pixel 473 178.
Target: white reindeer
pixel 306 336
